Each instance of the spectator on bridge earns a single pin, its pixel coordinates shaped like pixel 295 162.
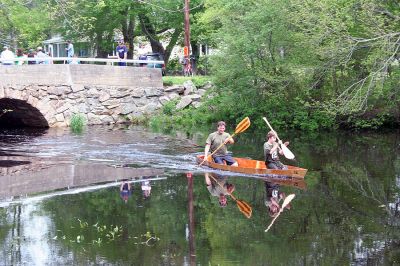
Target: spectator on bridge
pixel 20 54
pixel 7 56
pixel 70 50
pixel 41 56
pixel 142 57
pixel 31 55
pixel 122 52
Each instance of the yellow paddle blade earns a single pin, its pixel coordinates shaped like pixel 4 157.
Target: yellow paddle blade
pixel 243 125
pixel 244 208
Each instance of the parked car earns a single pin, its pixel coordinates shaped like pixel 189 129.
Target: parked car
pixel 153 57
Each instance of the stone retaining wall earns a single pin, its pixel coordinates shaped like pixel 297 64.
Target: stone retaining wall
pixel 55 92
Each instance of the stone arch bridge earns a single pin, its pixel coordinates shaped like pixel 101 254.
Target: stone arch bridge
pixel 48 95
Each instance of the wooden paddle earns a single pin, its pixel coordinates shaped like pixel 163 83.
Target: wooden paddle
pixel 286 152
pixel 243 206
pixel 241 127
pixel 287 200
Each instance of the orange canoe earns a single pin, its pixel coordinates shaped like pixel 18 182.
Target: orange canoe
pixel 254 167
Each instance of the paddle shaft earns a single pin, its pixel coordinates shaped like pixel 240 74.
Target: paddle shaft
pixel 265 119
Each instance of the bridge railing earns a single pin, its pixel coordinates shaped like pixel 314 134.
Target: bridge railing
pixel 80 60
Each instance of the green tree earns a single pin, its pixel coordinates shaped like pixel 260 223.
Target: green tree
pixel 24 24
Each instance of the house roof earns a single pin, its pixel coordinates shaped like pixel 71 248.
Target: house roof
pixel 54 40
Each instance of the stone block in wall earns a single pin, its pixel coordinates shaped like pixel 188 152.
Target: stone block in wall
pixel 92 92
pixel 189 87
pixel 112 106
pixel 24 95
pixel 175 88
pixel 110 102
pixel 184 102
pixel 93 101
pixel 150 108
pixel 62 107
pixel 83 108
pixel 127 108
pixel 154 92
pixel 77 87
pixel 208 85
pixel 173 96
pixel 164 99
pixel 73 96
pixel 201 91
pixel 195 97
pixel 59 90
pixel 32 100
pixel 120 93
pixel 104 96
pixel 93 119
pixel 15 94
pixel 106 119
pixel 59 117
pixel 140 102
pixel 196 104
pixel 137 93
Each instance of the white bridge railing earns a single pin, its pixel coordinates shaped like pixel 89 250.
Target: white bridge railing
pixel 80 60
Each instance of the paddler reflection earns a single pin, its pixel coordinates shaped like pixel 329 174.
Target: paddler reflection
pixel 273 198
pixel 218 186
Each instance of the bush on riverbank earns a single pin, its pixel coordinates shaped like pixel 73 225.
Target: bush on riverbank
pixel 287 107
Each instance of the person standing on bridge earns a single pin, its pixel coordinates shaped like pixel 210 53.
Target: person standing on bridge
pixel 122 52
pixel 70 50
pixel 7 56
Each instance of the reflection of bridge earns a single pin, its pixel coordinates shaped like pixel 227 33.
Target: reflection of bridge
pixel 67 176
pixel 48 95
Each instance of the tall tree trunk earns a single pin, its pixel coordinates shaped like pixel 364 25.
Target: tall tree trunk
pixel 101 53
pixel 128 28
pixel 195 55
pixel 149 31
pixel 170 46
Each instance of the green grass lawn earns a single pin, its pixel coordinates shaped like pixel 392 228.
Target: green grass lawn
pixel 198 81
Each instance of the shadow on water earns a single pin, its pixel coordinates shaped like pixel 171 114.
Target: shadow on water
pixel 13 157
pixel 67 177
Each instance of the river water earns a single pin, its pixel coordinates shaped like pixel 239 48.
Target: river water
pixel 61 201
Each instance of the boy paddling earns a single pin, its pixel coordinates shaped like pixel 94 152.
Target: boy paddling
pixel 271 150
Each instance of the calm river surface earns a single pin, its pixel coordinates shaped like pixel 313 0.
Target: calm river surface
pixel 61 204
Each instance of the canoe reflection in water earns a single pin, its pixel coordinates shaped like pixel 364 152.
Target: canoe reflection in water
pixel 218 186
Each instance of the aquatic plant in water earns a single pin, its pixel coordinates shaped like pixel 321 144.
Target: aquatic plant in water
pixel 98 234
pixel 77 122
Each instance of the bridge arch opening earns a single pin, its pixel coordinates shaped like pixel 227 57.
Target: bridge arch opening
pixel 17 113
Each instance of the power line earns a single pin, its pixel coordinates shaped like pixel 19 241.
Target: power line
pixel 170 10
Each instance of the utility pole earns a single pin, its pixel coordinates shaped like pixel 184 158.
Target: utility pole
pixel 186 49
